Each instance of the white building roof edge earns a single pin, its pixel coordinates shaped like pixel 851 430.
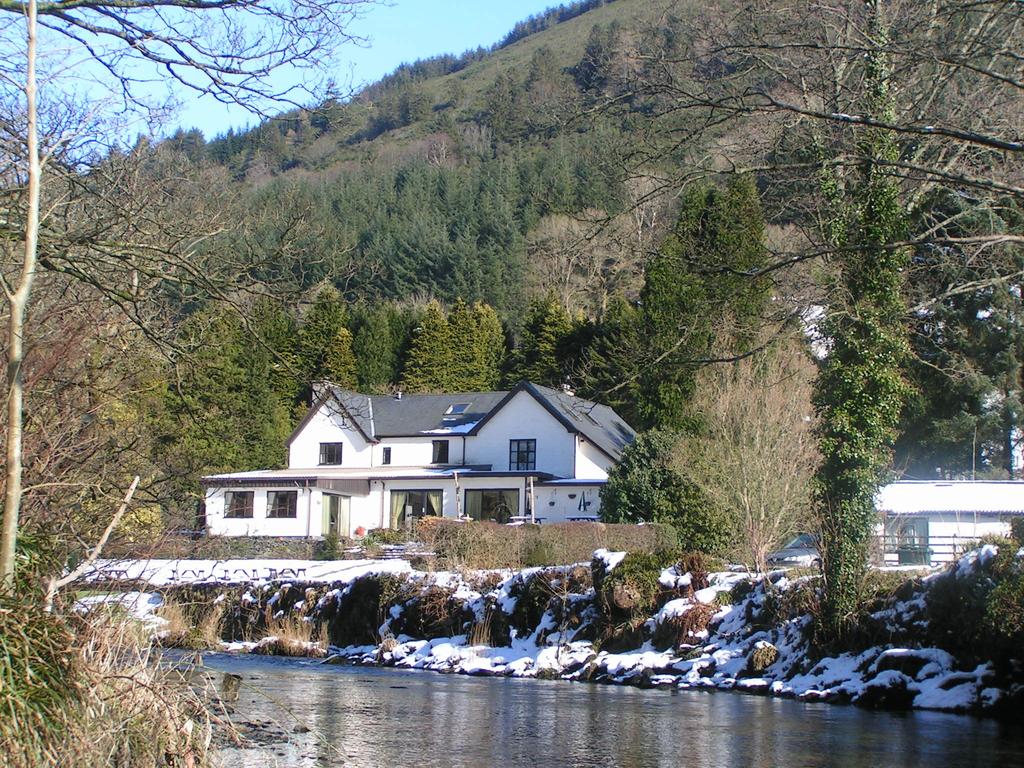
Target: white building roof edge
pixel 918 497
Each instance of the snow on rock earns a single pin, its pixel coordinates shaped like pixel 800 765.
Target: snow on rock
pixel 139 605
pixel 170 572
pixel 610 559
pixel 671 578
pixel 729 654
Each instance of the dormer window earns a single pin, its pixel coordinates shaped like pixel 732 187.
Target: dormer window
pixel 456 409
pixel 330 454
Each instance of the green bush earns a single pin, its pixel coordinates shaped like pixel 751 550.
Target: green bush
pixel 643 487
pixel 386 536
pixel 329 548
pixel 1017 530
pixel 980 615
pixel 632 589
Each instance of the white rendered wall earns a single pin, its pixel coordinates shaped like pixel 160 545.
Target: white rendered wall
pixel 328 426
pixel 556 504
pixel 416 451
pixel 950 535
pixel 259 524
pixel 523 418
pixel 591 463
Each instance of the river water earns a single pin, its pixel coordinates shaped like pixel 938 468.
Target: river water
pixel 367 717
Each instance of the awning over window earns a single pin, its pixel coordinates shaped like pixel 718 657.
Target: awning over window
pixel 349 486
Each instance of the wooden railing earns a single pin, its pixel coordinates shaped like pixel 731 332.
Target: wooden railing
pixel 939 550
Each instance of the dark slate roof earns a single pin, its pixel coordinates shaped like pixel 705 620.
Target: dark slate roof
pixel 383 416
pixel 598 423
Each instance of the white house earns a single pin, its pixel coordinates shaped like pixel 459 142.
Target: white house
pixel 358 462
pixel 932 522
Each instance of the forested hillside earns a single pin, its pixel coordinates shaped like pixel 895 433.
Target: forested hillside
pixel 455 177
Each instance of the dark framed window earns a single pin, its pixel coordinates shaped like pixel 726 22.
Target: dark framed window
pixel 522 455
pixel 440 455
pixel 330 453
pixel 408 505
pixel 282 503
pixel 387 456
pixel 498 504
pixel 238 504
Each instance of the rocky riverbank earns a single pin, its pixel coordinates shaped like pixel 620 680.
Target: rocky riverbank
pixel 947 640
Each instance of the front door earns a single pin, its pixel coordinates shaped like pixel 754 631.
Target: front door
pixel 336 515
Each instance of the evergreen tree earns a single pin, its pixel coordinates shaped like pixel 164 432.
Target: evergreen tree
pixel 376 344
pixel 502 103
pixel 428 367
pixel 223 414
pixel 318 334
pixel 644 487
pixel 541 354
pixel 610 361
pixel 340 362
pixel 489 348
pixel 963 415
pixel 695 291
pixel 595 67
pixel 277 330
pixel 464 373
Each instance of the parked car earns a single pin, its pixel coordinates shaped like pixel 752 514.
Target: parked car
pixel 803 551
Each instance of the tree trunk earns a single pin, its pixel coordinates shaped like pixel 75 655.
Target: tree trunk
pixel 18 300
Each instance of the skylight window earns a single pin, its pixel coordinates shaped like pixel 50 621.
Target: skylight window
pixel 456 409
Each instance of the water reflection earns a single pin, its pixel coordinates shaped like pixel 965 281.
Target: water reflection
pixel 378 717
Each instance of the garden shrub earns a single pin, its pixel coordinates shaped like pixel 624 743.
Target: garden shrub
pixel 485 545
pixel 329 547
pixel 644 487
pixel 386 536
pixel 632 589
pixel 979 615
pixel 1017 530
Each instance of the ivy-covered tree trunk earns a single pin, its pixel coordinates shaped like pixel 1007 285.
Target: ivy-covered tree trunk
pixel 860 391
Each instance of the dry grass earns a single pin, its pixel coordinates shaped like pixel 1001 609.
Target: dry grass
pixel 294 636
pixel 82 692
pixel 481 632
pixel 192 627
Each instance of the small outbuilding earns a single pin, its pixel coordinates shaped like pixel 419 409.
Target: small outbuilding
pixel 933 522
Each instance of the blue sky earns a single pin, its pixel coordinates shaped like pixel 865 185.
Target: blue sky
pixel 402 31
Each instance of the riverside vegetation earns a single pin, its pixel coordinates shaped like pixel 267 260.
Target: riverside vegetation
pixel 947 640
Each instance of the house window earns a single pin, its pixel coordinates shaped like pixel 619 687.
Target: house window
pixel 238 504
pixel 440 455
pixel 282 503
pixel 330 453
pixel 522 455
pixel 456 409
pixel 406 506
pixel 387 456
pixel 498 504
